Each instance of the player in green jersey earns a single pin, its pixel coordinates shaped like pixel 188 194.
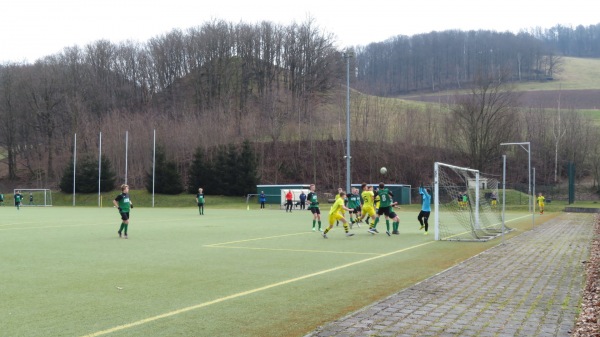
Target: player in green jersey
pixel 123 203
pixel 313 206
pixel 200 201
pixel 18 199
pixel 385 208
pixel 354 203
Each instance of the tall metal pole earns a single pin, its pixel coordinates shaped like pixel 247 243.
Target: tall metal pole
pixel 531 208
pixel 153 164
pixel 347 56
pixel 503 195
pixel 100 170
pixel 126 152
pixel 528 149
pixel 74 165
pixel 533 213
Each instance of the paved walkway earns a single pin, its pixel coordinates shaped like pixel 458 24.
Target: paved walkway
pixel 529 286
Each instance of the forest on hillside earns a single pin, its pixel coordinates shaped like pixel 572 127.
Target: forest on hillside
pixel 283 89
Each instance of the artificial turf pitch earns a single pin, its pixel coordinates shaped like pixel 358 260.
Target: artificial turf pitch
pixel 65 272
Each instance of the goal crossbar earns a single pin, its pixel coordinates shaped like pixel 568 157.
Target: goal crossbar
pixel 40 197
pixel 462 211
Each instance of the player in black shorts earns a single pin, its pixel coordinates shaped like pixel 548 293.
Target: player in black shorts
pixel 313 206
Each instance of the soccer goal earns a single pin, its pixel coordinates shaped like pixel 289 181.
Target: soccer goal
pixel 466 204
pixel 35 197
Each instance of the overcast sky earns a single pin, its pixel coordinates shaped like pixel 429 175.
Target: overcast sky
pixel 30 29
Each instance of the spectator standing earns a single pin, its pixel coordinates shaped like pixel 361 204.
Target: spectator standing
pixel 302 200
pixel 288 201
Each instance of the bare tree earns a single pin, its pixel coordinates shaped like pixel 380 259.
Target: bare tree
pixel 484 119
pixel 9 114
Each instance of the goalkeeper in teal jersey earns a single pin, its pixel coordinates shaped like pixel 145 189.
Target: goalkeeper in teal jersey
pixel 423 216
pixel 313 206
pixel 385 208
pixel 123 203
pixel 354 203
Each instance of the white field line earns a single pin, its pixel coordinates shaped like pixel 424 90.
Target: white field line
pixel 248 292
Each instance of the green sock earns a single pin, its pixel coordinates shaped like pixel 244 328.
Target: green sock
pixel 122 226
pixel 375 223
pixel 319 224
pixel 126 226
pixel 387 225
pixel 314 223
pixel 395 225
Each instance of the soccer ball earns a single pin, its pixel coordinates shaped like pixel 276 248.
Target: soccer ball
pixel 383 170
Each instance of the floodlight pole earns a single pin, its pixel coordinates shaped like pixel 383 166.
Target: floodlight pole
pixel 503 195
pixel 99 169
pixel 126 153
pixel 528 149
pixel 533 214
pixel 347 56
pixel 74 165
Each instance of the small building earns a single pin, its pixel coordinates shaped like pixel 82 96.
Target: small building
pixel 275 194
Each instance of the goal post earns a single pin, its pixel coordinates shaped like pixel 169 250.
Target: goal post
pixel 40 197
pixel 466 204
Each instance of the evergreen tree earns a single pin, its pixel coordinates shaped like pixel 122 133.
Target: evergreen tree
pixel 220 185
pixel 167 179
pixel 66 181
pixel 200 173
pixel 107 177
pixel 248 169
pixel 86 176
pixel 231 171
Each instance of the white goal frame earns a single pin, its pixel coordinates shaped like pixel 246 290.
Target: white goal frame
pixel 42 197
pixel 436 185
pixel 479 218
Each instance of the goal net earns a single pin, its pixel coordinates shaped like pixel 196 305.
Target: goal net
pixel 466 204
pixel 34 197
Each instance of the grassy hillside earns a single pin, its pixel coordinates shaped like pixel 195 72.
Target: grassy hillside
pixel 576 74
pixel 576 85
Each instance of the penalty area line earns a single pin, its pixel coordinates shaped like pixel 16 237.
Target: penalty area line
pixel 294 250
pixel 255 239
pixel 245 293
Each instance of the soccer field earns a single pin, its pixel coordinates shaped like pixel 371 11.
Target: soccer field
pixel 65 272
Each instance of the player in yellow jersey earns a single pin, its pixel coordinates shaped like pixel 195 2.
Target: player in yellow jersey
pixel 335 214
pixel 337 196
pixel 368 197
pixel 494 198
pixel 541 200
